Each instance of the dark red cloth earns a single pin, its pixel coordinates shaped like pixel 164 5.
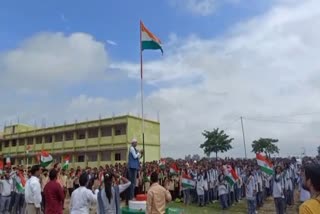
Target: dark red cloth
pixel 54 196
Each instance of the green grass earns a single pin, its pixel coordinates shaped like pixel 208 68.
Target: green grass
pixel 211 208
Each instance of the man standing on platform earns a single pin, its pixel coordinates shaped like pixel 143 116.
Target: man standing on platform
pixel 133 165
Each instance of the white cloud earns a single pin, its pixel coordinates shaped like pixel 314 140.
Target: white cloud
pixel 52 59
pixel 266 66
pixel 110 42
pixel 197 7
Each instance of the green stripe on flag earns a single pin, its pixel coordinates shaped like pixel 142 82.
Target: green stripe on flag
pixel 229 180
pixel 267 170
pixel 19 187
pixel 150 45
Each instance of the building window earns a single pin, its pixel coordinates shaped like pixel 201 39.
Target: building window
pixel 106 156
pixel 58 137
pixel 69 136
pixel 81 134
pixel 106 131
pixel 30 140
pixel 120 129
pixel 48 139
pixel 93 133
pixel 1 146
pixel 92 157
pixel 57 158
pixel 117 156
pixel 38 140
pixel 6 143
pixel 21 142
pixel 13 161
pixel 120 155
pixel 14 143
pixel 80 158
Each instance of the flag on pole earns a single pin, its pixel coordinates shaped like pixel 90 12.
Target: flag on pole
pixel 230 174
pixel 8 161
pixel 149 41
pixel 264 163
pixel 20 184
pixel 45 159
pixel 173 169
pixel 187 182
pixel 66 162
pixel 162 163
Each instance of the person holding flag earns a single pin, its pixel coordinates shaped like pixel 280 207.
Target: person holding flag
pixel 20 182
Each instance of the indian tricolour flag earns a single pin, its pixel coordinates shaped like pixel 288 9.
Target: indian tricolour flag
pixel 265 165
pixel 20 184
pixel 149 41
pixel 66 162
pixel 187 182
pixel 162 163
pixel 45 159
pixel 173 169
pixel 230 174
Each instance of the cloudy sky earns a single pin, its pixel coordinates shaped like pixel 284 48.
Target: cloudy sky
pixel 223 59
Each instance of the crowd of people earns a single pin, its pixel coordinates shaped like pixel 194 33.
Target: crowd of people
pixel 36 189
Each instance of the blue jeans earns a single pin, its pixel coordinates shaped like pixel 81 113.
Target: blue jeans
pixel 251 206
pixel 224 201
pixel 133 178
pixel 5 204
pixel 19 203
pixel 186 196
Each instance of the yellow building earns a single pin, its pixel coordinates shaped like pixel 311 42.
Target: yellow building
pixel 92 143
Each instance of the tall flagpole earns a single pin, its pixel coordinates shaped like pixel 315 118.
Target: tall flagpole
pixel 142 110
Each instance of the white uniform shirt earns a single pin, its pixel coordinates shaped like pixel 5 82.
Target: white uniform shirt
pixel 134 153
pixel 6 187
pixel 33 191
pixel 81 200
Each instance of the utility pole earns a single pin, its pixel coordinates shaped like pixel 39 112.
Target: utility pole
pixel 244 139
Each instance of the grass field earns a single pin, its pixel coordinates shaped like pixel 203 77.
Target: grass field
pixel 211 208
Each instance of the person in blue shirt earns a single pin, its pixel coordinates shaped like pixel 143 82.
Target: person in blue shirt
pixel 133 166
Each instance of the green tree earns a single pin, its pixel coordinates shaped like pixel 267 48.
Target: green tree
pixel 216 141
pixel 266 145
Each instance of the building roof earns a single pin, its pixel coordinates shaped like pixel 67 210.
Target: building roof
pixel 22 128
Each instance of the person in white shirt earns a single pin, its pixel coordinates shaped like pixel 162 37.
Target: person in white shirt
pixel 200 189
pixel 6 193
pixel 82 197
pixel 251 191
pixel 278 191
pixel 109 196
pixel 223 191
pixel 33 191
